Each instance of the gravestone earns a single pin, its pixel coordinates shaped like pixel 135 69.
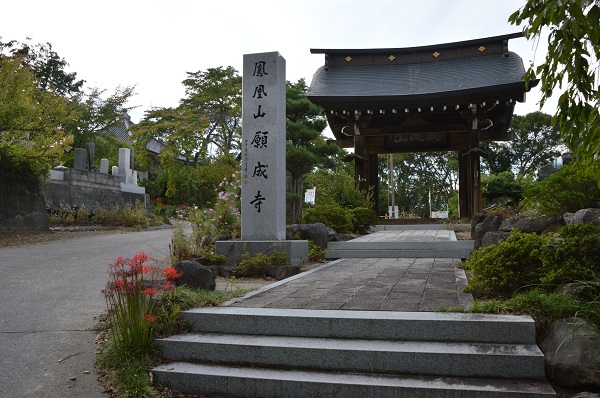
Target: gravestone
pixel 80 159
pixel 115 170
pixel 124 162
pixel 263 163
pixel 104 166
pixel 91 148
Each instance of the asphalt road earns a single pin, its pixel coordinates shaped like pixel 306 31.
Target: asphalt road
pixel 50 298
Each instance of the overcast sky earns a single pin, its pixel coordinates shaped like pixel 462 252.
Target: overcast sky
pixel 152 44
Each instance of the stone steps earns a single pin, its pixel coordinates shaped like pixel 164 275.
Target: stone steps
pixel 378 249
pixel 267 352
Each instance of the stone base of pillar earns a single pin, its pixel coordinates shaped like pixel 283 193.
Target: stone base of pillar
pixel 297 250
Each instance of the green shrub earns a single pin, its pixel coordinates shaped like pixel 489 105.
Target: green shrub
pixel 315 253
pixel 332 216
pixel 256 265
pixel 564 192
pixel 573 254
pixel 502 269
pixel 363 219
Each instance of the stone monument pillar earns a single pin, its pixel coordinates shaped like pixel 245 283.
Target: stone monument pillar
pixel 263 162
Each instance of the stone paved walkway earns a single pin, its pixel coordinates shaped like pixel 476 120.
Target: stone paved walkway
pixel 385 284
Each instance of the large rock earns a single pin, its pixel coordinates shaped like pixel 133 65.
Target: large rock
pixel 493 238
pixel 481 224
pixel 280 272
pixel 195 275
pixel 317 233
pixel 568 218
pixel 525 224
pixel 587 216
pixel 571 348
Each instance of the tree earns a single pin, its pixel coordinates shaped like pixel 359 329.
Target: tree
pixel 572 60
pixel 535 142
pixel 32 134
pixel 216 95
pixel 90 113
pixel 47 65
pixel 417 176
pixel 306 148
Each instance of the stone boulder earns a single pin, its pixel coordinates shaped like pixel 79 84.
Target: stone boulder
pixel 568 218
pixel 195 275
pixel 481 224
pixel 280 272
pixel 317 233
pixel 493 238
pixel 571 349
pixel 586 395
pixel 587 216
pixel 525 224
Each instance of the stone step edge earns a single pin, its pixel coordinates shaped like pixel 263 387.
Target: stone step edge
pixel 469 327
pixel 382 245
pixel 394 357
pixel 202 378
pixel 347 253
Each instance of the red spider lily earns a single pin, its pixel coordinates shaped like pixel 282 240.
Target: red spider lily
pixel 171 273
pixel 148 318
pixel 150 292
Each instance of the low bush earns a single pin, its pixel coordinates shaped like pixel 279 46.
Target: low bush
pixel 257 264
pixel 364 219
pixel 502 269
pixel 332 216
pixel 526 260
pixel 573 254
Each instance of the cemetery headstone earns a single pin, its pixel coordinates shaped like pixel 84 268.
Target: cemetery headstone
pixel 104 166
pixel 80 159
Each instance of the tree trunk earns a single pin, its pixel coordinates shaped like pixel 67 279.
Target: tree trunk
pixel 294 198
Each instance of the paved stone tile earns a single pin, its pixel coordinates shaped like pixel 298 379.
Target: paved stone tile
pixel 390 284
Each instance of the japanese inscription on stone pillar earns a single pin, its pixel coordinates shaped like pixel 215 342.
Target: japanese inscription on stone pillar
pixel 263 147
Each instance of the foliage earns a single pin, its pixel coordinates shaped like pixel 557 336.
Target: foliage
pixel 363 219
pixel 564 192
pixel 224 217
pixel 44 110
pixel 31 121
pixel 572 61
pixel 527 260
pixel 130 372
pixel 133 216
pixel 573 254
pixel 216 95
pixel 256 265
pixel 206 124
pixel 332 216
pixel 508 266
pixel 503 188
pixel 544 307
pixel 337 187
pixel 414 176
pixel 131 294
pixel 306 148
pixel 315 253
pixel 535 142
pixel 168 311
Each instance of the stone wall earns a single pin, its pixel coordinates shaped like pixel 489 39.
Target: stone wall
pixel 75 188
pixel 22 207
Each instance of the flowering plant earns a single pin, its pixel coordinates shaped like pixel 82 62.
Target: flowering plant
pixel 224 216
pixel 131 294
